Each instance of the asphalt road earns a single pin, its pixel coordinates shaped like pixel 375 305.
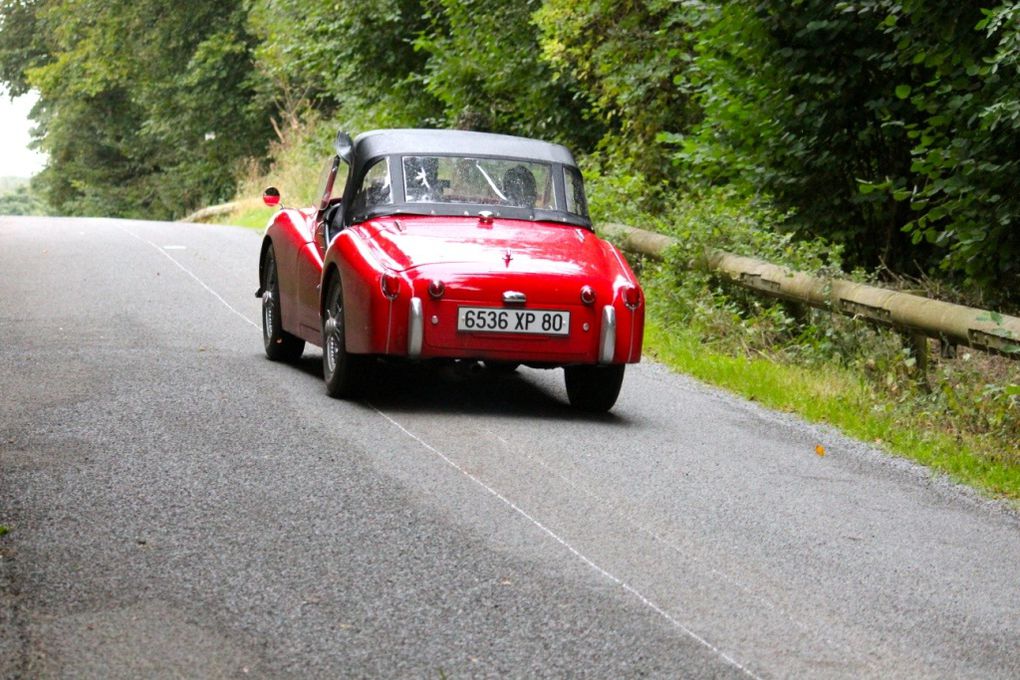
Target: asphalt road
pixel 178 506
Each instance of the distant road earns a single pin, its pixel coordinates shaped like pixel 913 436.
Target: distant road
pixel 177 505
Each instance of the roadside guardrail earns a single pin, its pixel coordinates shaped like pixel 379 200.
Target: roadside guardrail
pixel 212 211
pixel 913 315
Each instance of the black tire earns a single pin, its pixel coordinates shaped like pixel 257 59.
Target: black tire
pixel 593 388
pixel 279 344
pixel 344 373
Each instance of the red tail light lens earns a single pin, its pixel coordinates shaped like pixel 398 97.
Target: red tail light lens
pixel 436 288
pixel 588 295
pixel 632 297
pixel 390 285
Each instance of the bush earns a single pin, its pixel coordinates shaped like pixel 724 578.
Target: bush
pixel 22 201
pixel 974 396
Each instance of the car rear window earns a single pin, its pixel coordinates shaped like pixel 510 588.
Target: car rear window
pixel 479 181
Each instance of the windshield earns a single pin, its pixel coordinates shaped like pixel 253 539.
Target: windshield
pixel 480 181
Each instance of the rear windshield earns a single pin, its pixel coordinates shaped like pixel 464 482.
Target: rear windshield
pixel 479 181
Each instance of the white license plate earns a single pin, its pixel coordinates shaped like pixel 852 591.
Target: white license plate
pixel 503 320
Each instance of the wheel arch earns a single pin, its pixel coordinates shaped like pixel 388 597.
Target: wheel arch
pixel 267 242
pixel 329 272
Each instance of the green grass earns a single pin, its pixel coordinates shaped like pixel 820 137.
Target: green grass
pixel 253 217
pixel 842 399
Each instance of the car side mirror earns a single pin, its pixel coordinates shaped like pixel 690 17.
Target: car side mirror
pixel 271 197
pixel 344 146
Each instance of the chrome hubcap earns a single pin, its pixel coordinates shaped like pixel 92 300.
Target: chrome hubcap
pixel 267 313
pixel 332 330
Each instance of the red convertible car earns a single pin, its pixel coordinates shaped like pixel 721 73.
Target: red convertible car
pixel 451 246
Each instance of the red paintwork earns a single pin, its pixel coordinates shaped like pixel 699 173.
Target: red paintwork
pixel 548 262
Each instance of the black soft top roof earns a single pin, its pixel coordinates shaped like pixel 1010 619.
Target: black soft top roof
pixel 378 143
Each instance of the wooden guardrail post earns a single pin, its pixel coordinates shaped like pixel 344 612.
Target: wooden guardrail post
pixel 917 345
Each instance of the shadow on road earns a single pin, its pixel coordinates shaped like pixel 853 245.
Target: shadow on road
pixel 461 388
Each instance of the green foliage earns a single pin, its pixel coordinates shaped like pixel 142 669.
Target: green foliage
pixel 343 57
pixel 21 43
pixel 890 127
pixel 485 67
pixel 21 203
pixel 797 102
pixel 125 110
pixel 964 397
pixel 965 130
pixel 297 164
pixel 627 58
pixel 687 294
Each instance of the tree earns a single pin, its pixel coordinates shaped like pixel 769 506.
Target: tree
pixel 127 112
pixel 21 43
pixel 485 66
pixel 964 193
pixel 627 57
pixel 796 104
pixel 350 60
pixel 888 126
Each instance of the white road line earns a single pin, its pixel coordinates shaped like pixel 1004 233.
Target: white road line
pixel 614 507
pixel 187 271
pixel 556 537
pixel 549 532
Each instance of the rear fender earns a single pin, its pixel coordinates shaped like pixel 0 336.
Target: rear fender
pixel 630 322
pixel 374 324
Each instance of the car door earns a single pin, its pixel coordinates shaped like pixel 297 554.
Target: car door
pixel 310 256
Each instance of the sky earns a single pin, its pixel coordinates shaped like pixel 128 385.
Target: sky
pixel 16 159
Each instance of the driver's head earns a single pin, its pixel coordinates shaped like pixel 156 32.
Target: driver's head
pixel 519 187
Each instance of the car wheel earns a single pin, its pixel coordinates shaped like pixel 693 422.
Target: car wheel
pixel 593 388
pixel 279 344
pixel 342 371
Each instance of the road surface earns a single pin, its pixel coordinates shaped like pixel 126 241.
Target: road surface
pixel 178 506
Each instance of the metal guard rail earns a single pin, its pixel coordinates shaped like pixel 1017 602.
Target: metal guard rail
pixel 910 314
pixel 210 212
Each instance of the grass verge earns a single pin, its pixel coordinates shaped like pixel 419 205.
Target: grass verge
pixel 842 399
pixel 251 214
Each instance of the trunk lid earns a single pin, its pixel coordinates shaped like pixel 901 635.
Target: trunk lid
pixel 466 245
